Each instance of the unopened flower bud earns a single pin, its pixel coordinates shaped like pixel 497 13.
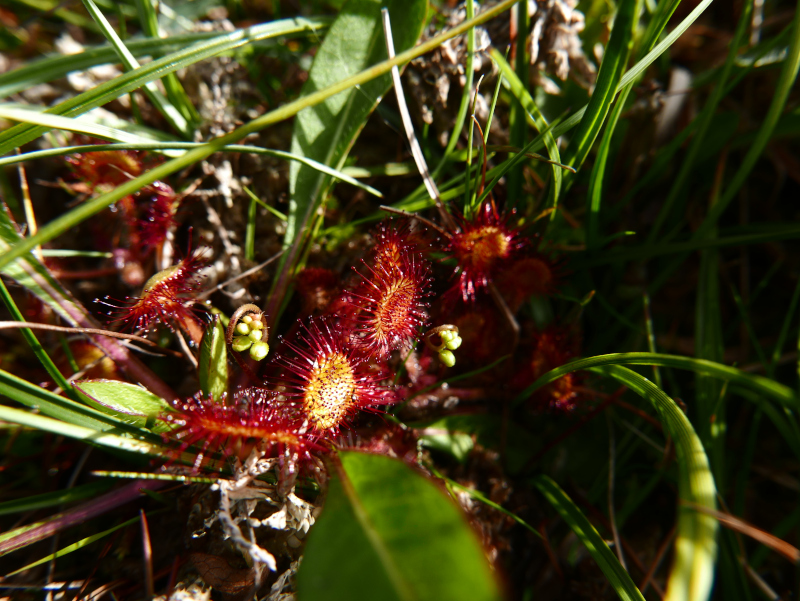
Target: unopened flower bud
pixel 447 357
pixel 241 343
pixel 259 350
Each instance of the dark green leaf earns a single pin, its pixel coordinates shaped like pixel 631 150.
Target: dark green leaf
pixel 388 533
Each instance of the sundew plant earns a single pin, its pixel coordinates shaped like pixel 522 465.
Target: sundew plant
pixel 397 300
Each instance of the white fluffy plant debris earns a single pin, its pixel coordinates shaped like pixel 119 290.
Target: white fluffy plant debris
pixel 241 496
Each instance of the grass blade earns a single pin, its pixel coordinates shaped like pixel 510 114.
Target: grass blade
pixel 692 573
pixel 163 105
pixel 770 388
pixel 609 76
pixel 616 575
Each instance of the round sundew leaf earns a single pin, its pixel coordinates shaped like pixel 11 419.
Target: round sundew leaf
pixel 387 532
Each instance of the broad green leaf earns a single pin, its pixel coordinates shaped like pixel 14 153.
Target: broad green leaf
pixel 129 403
pixel 615 574
pixel 326 132
pixel 387 532
pixel 213 364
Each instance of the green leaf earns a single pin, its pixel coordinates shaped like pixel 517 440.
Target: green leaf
pixel 326 132
pixel 389 533
pixel 213 364
pixel 594 543
pixel 130 403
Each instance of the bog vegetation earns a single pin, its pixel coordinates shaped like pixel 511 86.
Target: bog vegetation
pixel 389 300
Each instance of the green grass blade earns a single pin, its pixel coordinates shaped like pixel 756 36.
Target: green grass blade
pixel 55 498
pixel 616 575
pixel 70 124
pixel 89 208
pixel 692 573
pixel 703 123
pixel 76 546
pixel 165 146
pixel 163 105
pixel 36 347
pixel 175 92
pixel 779 97
pixel 54 67
pixel 521 93
pixel 615 59
pixel 769 388
pixel 19 135
pixel 90 435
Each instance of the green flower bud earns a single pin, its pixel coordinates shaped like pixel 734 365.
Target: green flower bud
pixel 454 342
pixel 248 319
pixel 241 343
pixel 259 350
pixel 256 325
pixel 255 335
pixel 242 328
pixel 447 357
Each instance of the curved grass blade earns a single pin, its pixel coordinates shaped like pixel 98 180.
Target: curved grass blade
pixel 19 135
pixel 692 573
pixel 89 208
pixel 774 390
pixel 615 574
pixel 380 515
